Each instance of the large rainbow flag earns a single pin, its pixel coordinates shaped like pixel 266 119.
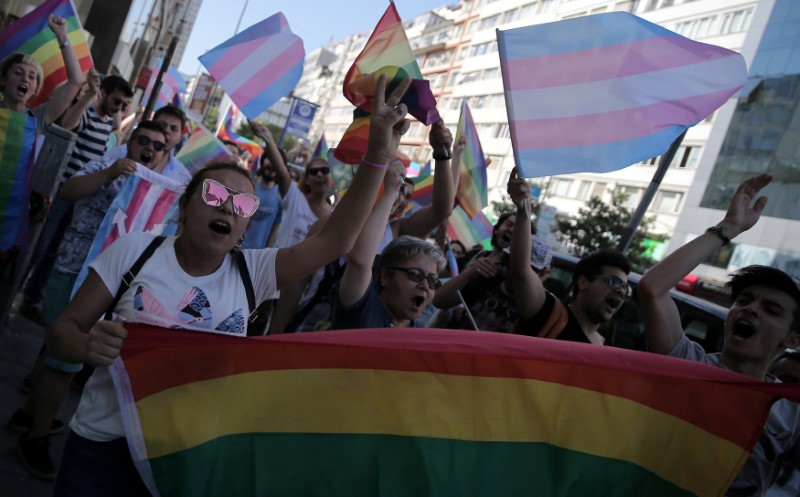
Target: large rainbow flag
pixel 30 35
pixel 147 202
pixel 429 412
pixel 259 65
pixel 387 52
pixel 598 93
pixel 201 147
pixel 473 190
pixel 226 132
pixel 17 144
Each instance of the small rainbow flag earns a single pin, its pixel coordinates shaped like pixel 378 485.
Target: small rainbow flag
pixel 201 147
pixel 30 35
pixel 429 412
pixel 259 65
pixel 473 191
pixel 470 232
pixel 386 52
pixel 423 188
pixel 600 92
pixel 321 150
pixel 226 132
pixel 17 144
pixel 172 85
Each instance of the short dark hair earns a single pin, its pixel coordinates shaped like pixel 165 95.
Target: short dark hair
pixel 112 83
pixel 766 276
pixel 149 125
pixel 591 265
pixel 171 110
pixel 500 221
pixel 200 175
pixel 231 142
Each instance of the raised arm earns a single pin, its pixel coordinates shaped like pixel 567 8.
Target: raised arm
pixel 528 287
pixel 358 271
pixel 78 187
pixel 340 232
pixel 662 321
pixel 63 95
pixel 447 295
pixel 72 118
pixel 425 220
pixel 282 176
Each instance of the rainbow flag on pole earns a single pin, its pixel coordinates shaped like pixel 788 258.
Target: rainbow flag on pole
pixel 17 144
pixel 601 92
pixel 201 147
pixel 172 85
pixel 226 132
pixel 259 65
pixel 388 52
pixel 429 412
pixel 30 35
pixel 321 150
pixel 473 190
pixel 470 232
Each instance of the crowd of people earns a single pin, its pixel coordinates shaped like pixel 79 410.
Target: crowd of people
pixel 262 253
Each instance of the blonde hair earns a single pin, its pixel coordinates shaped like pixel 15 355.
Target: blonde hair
pixel 21 58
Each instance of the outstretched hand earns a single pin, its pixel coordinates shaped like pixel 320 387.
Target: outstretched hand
pixel 518 189
pixel 259 130
pixel 741 216
pixel 58 25
pixel 387 123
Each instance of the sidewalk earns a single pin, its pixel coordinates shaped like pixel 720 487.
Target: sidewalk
pixel 20 341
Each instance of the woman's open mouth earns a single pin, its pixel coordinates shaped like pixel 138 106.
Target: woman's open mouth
pixel 220 227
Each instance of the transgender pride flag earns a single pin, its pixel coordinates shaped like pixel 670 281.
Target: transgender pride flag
pixel 259 65
pixel 601 92
pixel 147 202
pixel 172 84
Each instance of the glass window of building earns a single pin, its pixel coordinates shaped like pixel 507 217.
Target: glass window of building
pixel 667 201
pixel 599 189
pixel 584 189
pixel 735 22
pixel 451 80
pixel 509 16
pixel 548 6
pixel 503 131
pixel 489 22
pixel 490 73
pixel 560 187
pixel 632 194
pixel 527 10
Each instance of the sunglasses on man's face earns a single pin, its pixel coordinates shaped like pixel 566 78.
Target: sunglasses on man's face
pixel 215 194
pixel 615 283
pixel 145 140
pixel 119 101
pixel 313 171
pixel 417 275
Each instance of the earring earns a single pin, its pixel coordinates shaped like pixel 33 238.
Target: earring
pixel 240 242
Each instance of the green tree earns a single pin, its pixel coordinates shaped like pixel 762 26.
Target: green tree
pixel 599 225
pixel 210 119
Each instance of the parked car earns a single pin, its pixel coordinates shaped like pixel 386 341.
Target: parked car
pixel 702 321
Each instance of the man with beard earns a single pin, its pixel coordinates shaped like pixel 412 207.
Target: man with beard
pixel 599 285
pixel 763 321
pixel 268 216
pixel 92 189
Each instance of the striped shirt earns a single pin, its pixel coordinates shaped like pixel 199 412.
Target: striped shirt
pixel 90 144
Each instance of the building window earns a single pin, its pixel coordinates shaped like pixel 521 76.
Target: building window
pixel 632 194
pixel 735 22
pixel 527 10
pixel 560 187
pixel 451 80
pixel 686 157
pixel 584 189
pixel 696 28
pixel 489 22
pixel 490 73
pixel 509 16
pixel 598 190
pixel 548 6
pixel 651 5
pixel 667 201
pixel 503 131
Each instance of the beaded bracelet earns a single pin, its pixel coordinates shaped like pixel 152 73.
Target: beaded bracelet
pixel 721 232
pixel 373 164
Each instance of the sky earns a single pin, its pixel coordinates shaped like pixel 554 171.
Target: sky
pixel 317 22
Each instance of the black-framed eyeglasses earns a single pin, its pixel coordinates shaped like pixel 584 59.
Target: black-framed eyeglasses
pixel 417 275
pixel 145 140
pixel 615 283
pixel 313 171
pixel 120 101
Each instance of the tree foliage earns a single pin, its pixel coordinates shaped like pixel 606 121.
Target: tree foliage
pixel 599 225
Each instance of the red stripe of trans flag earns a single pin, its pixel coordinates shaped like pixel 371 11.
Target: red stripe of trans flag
pixel 388 52
pixel 605 91
pixel 30 35
pixel 259 65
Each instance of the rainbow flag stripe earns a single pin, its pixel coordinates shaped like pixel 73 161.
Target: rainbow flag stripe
pixel 473 191
pixel 387 52
pixel 201 147
pixel 470 232
pixel 606 91
pixel 30 35
pixel 17 144
pixel 321 150
pixel 226 132
pixel 429 412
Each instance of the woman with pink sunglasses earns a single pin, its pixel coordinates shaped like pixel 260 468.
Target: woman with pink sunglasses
pixel 192 281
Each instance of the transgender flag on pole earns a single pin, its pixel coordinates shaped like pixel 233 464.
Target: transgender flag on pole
pixel 601 92
pixel 259 65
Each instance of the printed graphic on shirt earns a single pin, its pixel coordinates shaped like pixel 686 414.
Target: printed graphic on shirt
pixel 193 310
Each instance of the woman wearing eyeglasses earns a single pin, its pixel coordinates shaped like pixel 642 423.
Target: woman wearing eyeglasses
pixel 407 275
pixel 192 281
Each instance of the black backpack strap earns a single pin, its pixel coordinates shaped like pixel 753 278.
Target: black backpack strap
pixel 128 277
pixel 252 330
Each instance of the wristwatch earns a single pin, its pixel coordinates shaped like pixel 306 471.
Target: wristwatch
pixel 447 155
pixel 65 44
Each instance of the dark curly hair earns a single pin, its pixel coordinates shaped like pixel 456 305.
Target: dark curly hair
pixel 769 277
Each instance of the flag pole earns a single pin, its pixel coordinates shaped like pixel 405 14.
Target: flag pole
pixel 151 102
pixel 638 215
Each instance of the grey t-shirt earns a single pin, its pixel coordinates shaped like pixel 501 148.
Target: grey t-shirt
pixel 780 436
